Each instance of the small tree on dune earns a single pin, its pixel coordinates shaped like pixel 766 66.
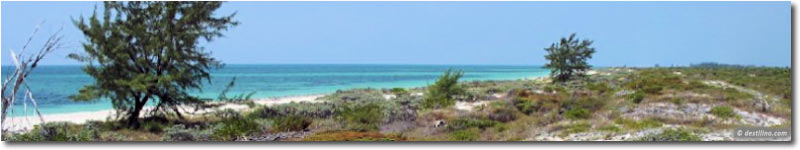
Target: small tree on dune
pixel 441 94
pixel 568 57
pixel 140 52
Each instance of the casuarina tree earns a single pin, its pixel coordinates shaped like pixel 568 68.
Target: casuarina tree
pixel 149 52
pixel 568 57
pixel 442 93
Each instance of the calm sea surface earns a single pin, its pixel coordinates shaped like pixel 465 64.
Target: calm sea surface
pixel 53 84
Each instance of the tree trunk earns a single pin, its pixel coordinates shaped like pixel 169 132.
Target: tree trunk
pixel 133 116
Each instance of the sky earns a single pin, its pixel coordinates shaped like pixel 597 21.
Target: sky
pixel 491 33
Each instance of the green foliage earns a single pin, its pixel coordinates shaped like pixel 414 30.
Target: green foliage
pixel 772 80
pixel 734 94
pixel 694 84
pixel 403 108
pixel 723 112
pixel 291 109
pixel 524 105
pixel 441 93
pixel 470 134
pixel 679 134
pixel 235 127
pixel 653 81
pixel 291 123
pixel 308 110
pixel 599 87
pixel 637 97
pixel 533 103
pixel 399 91
pixel 577 113
pixel 148 51
pixel 568 57
pixel 361 117
pixel 182 133
pixel 53 131
pixel 550 88
pixel 676 101
pixel 466 123
pixel 155 124
pixel 502 111
pixel 354 96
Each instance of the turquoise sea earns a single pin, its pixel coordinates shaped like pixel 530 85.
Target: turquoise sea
pixel 52 85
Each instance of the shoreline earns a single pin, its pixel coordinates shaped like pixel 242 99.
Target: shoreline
pixel 25 123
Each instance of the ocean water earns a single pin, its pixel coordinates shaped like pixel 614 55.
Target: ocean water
pixel 52 85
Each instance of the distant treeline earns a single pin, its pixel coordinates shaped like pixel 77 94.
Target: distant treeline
pixel 721 65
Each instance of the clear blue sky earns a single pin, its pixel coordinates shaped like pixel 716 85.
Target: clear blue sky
pixel 625 33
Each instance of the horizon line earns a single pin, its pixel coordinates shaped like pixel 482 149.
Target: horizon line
pixel 541 65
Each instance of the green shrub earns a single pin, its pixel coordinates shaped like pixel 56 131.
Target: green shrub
pixel 676 101
pixel 235 127
pixel 550 88
pixel 291 123
pixel 309 110
pixel 402 108
pixel 577 113
pixel 155 124
pixel 361 117
pixel 652 89
pixel 441 93
pixel 590 103
pixel 733 94
pixel 23 137
pixel 502 111
pixel 679 134
pixel 53 131
pixel 470 134
pixel 770 80
pixel 466 123
pixel 637 97
pixel 182 133
pixel 653 81
pixel 600 87
pixel 367 95
pixel 524 105
pixel 723 112
pixel 694 85
pixel 399 91
pixel 529 103
pixel 500 127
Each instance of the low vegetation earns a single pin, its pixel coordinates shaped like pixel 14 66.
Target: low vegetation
pixel 681 135
pixel 594 107
pixel 723 112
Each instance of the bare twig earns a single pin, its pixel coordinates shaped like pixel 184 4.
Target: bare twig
pixel 23 67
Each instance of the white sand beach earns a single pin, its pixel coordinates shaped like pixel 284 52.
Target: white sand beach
pixel 27 122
